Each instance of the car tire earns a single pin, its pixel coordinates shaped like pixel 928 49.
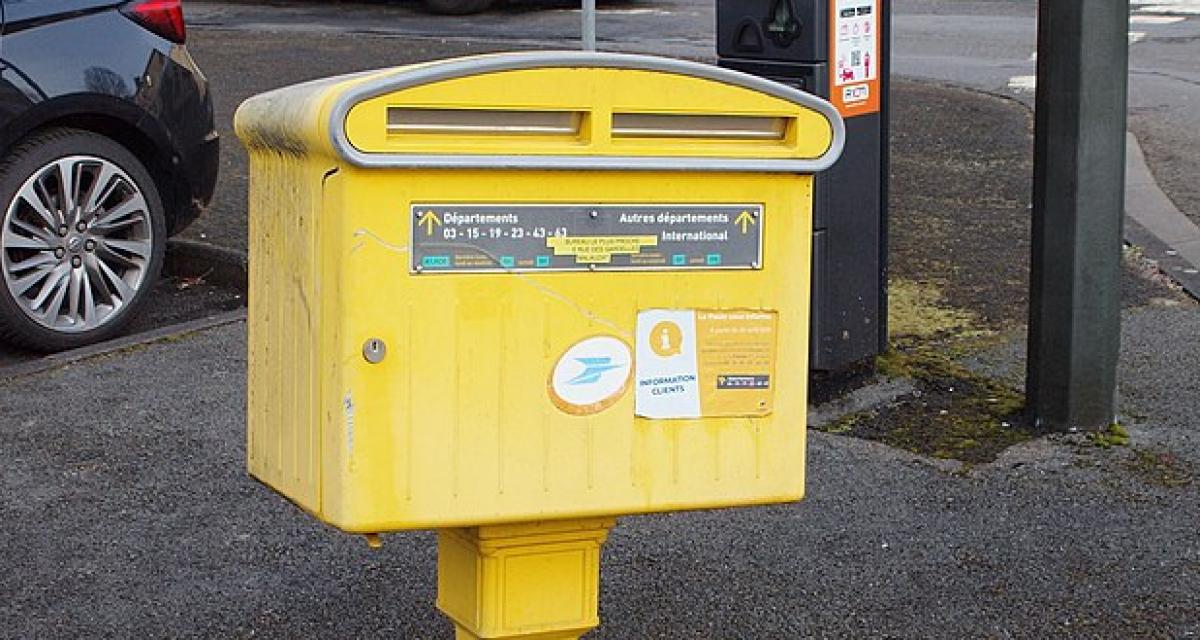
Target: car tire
pixel 75 274
pixel 457 7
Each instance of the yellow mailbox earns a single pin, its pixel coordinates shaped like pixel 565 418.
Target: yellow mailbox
pixel 513 296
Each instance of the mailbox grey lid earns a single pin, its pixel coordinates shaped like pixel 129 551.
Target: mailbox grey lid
pixel 463 67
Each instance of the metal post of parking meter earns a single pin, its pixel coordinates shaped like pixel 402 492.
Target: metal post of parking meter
pixel 514 297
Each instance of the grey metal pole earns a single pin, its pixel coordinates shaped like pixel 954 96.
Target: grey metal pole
pixel 589 25
pixel 1078 196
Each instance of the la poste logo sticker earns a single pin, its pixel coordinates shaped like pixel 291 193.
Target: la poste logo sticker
pixel 591 376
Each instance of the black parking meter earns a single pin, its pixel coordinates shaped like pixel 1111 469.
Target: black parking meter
pixel 839 50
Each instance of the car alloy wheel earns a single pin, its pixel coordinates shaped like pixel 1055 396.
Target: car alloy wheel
pixel 78 246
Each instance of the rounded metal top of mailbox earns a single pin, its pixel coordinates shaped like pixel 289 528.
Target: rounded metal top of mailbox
pixel 426 74
pixel 469 113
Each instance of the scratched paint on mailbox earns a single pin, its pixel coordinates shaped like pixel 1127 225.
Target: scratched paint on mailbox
pixel 481 238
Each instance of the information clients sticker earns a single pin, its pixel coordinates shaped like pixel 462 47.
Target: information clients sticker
pixel 700 363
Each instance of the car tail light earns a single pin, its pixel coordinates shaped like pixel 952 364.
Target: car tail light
pixel 163 17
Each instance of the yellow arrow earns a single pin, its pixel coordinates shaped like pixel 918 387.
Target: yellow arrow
pixel 745 219
pixel 430 220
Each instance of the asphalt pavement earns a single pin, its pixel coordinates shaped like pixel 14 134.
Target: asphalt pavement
pixel 131 515
pixel 127 510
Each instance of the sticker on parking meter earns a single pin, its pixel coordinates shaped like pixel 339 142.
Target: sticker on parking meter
pixel 505 238
pixel 855 56
pixel 697 363
pixel 591 375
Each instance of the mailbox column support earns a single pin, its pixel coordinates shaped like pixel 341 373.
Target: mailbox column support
pixel 537 581
pixel 1078 193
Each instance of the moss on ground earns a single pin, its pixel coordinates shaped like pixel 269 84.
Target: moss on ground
pixel 917 309
pixel 954 413
pixel 1162 468
pixel 1114 436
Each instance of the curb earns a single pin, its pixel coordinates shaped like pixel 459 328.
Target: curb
pixel 220 266
pixel 64 358
pixel 1153 223
pixel 1169 261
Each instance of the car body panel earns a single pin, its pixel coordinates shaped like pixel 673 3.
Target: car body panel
pixel 22 14
pixel 146 93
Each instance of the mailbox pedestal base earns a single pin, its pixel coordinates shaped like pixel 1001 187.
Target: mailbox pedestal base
pixel 537 581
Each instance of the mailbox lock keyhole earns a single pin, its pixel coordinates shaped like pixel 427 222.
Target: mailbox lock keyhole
pixel 374 350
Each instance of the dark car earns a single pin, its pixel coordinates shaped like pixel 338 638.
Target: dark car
pixel 107 147
pixel 457 7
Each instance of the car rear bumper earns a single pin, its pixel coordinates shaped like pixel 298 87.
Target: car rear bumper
pixel 188 116
pixel 197 174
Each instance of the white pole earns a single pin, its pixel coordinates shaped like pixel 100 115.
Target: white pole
pixel 589 25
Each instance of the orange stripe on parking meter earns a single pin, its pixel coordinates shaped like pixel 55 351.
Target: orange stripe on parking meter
pixel 854 56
